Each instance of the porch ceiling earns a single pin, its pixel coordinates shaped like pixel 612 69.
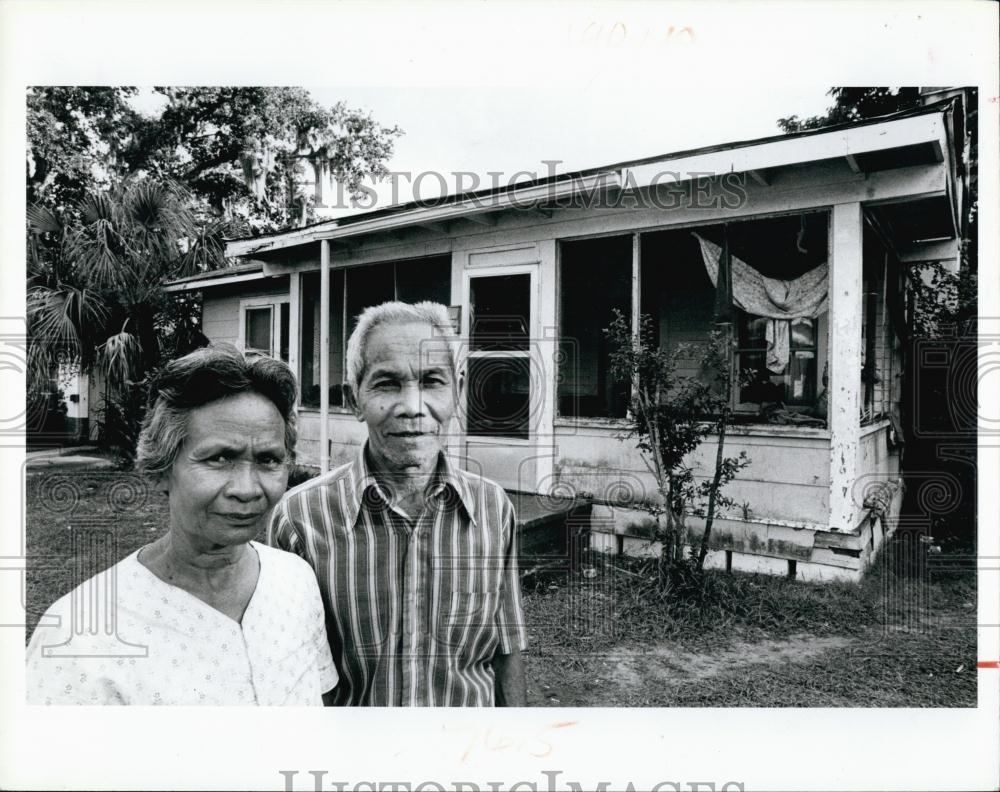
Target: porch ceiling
pixel 913 222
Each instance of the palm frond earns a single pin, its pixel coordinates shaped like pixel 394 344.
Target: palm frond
pixel 120 358
pixel 42 221
pixel 63 319
pixel 101 252
pixel 157 216
pixel 50 317
pixel 97 206
pixel 205 251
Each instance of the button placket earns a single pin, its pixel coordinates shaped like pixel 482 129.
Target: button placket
pixel 423 576
pixel 411 619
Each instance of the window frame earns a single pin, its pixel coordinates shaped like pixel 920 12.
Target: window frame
pixel 273 303
pixel 634 311
pixel 743 407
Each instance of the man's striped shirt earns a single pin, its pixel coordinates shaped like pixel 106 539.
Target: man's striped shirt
pixel 415 611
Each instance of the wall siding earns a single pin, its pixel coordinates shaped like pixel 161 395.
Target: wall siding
pixel 220 306
pixel 787 480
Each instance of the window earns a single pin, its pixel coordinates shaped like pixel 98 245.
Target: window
pixel 876 335
pixel 679 294
pixel 258 331
pixel 264 326
pixel 595 278
pixel 352 290
pixel 499 387
pixel 791 381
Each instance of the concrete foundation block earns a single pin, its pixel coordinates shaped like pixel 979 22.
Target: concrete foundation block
pixel 824 573
pixel 761 565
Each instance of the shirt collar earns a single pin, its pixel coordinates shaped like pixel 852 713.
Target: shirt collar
pixel 366 489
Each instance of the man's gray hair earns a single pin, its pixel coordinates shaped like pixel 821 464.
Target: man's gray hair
pixel 397 313
pixel 200 378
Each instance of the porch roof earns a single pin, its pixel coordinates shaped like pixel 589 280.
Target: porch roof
pixel 236 273
pixel 920 136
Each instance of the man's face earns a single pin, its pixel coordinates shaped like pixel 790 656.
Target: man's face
pixel 406 397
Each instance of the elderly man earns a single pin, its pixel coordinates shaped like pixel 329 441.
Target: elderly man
pixel 415 557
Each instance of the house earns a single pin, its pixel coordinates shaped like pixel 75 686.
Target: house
pixel 820 225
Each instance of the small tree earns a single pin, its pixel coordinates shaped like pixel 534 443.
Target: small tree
pixel 671 415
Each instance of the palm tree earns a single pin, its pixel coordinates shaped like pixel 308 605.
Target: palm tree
pixel 95 297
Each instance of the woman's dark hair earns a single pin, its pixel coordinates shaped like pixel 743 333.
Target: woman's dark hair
pixel 202 377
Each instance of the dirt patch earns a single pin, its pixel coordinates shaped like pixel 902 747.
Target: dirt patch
pixel 650 676
pixel 670 664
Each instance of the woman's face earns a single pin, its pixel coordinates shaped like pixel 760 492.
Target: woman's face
pixel 229 473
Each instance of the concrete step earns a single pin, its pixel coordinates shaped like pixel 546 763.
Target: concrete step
pixel 552 532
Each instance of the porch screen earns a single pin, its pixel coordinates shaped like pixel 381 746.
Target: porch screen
pixel 353 289
pixel 777 336
pixel 595 278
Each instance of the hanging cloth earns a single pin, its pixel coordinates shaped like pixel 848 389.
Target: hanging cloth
pixel 777 300
pixel 776 333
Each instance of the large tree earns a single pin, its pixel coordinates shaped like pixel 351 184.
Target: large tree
pixel 120 200
pixel 855 104
pixel 243 153
pixel 248 151
pixel 74 139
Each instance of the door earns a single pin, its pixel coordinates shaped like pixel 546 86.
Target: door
pixel 503 388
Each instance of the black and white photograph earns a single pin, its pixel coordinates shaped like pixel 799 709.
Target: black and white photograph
pixel 556 407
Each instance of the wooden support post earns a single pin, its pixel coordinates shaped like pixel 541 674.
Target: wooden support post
pixel 636 316
pixel 324 356
pixel 294 295
pixel 636 280
pixel 843 413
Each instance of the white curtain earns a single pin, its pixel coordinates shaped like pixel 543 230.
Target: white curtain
pixel 779 301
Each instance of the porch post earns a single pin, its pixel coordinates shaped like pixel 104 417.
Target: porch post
pixel 843 389
pixel 294 290
pixel 324 356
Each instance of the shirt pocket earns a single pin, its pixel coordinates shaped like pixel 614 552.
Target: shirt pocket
pixel 467 626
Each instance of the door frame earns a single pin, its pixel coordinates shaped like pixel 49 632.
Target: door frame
pixel 536 368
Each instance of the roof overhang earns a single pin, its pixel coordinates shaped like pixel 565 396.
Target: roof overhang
pixel 427 216
pixel 869 147
pixel 856 145
pixel 223 279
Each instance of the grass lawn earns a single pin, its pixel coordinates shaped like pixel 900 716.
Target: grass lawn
pixel 739 640
pixel 758 641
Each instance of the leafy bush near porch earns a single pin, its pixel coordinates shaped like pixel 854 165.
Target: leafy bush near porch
pixel 671 414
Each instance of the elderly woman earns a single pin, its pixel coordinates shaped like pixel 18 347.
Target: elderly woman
pixel 204 614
